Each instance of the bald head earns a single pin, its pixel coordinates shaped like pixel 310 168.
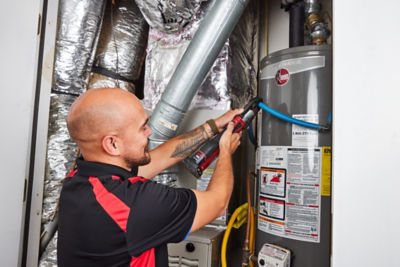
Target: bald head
pixel 100 112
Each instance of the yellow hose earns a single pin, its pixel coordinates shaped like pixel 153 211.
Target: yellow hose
pixel 242 208
pixel 252 234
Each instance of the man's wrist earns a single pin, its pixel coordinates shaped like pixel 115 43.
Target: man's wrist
pixel 213 128
pixel 208 130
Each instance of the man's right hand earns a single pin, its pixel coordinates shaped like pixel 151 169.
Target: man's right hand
pixel 229 141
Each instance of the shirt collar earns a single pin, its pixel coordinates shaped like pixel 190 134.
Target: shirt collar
pixel 91 168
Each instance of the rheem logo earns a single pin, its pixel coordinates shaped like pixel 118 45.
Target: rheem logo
pixel 282 76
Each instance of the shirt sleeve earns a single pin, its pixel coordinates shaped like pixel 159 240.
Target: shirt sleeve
pixel 159 215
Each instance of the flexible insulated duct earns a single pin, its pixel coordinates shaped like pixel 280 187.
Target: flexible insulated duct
pixel 193 68
pixel 243 57
pixel 61 151
pixel 121 48
pixel 168 15
pixel 79 24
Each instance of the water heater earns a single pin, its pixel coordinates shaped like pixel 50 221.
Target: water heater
pixel 293 162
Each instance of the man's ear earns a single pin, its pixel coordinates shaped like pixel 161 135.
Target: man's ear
pixel 111 145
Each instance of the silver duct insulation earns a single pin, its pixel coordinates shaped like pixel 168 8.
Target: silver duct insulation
pixel 121 48
pixel 169 49
pixel 79 23
pixel 61 152
pixel 243 58
pixel 168 15
pixel 101 81
pixel 49 257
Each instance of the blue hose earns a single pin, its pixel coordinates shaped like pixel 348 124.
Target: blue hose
pixel 251 136
pixel 290 119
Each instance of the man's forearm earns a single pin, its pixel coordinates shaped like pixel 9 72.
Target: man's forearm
pixel 214 201
pixel 175 150
pixel 188 143
pixel 222 180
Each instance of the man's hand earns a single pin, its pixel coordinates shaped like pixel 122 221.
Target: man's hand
pixel 214 201
pixel 222 121
pixel 229 141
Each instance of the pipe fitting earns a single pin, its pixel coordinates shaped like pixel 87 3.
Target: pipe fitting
pixel 312 7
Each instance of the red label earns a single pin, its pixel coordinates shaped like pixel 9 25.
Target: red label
pixel 282 76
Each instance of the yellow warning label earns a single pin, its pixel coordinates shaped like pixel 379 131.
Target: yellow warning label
pixel 326 171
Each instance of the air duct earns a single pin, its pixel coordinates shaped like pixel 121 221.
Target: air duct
pixel 121 48
pixel 168 15
pixel 79 23
pixel 193 68
pixel 169 49
pixel 61 151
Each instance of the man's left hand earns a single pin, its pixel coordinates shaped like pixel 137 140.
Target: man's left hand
pixel 222 121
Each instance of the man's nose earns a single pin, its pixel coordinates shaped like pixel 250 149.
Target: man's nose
pixel 149 131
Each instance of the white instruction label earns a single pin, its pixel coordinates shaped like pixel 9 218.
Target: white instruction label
pixel 302 136
pixel 290 192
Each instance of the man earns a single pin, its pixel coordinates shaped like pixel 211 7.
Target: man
pixel 110 215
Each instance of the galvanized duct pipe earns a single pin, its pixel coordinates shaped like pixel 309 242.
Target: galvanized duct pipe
pixel 194 66
pixel 79 23
pixel 231 81
pixel 169 49
pixel 121 48
pixel 168 15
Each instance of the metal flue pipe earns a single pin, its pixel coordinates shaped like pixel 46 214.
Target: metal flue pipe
pixel 193 68
pixel 200 55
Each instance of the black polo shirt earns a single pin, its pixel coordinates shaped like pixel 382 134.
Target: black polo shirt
pixel 110 217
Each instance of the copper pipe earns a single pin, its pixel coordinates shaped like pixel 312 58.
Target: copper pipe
pixel 246 247
pixel 249 206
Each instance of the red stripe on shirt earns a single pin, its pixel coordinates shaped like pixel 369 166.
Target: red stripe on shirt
pixel 146 259
pixel 72 173
pixel 114 177
pixel 135 179
pixel 114 207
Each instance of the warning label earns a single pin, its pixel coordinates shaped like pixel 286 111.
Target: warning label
pixel 273 182
pixel 290 192
pixel 272 208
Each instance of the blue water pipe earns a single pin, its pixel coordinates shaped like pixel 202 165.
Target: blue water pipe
pixel 296 121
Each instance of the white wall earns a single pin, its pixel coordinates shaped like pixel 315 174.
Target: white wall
pixel 366 128
pixel 18 53
pixel 366 135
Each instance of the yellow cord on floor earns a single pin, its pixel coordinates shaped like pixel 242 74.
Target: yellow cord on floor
pixel 242 210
